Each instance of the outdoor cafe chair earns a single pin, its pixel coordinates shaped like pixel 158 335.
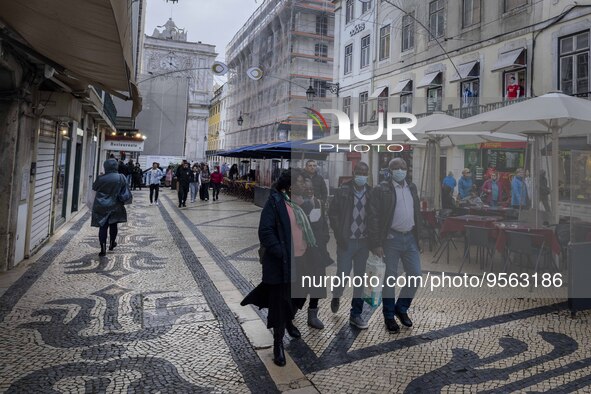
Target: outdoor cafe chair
pixel 447 239
pixel 525 244
pixel 481 237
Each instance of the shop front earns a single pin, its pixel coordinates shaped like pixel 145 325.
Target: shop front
pixel 504 158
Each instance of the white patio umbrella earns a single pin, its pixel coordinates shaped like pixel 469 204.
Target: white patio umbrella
pixel 553 113
pixel 433 142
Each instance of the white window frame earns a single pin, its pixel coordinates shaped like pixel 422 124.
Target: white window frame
pixel 574 54
pixel 365 51
pixel 385 42
pixel 473 8
pixel 408 33
pixel 363 107
pixel 348 65
pixel 437 18
pixel 349 11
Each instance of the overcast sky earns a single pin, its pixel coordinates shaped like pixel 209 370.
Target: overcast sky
pixel 209 21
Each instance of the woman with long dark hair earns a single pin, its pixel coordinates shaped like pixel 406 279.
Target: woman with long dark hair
pixel 107 210
pixel 284 234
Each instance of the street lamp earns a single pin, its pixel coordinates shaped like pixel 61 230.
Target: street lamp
pixel 240 120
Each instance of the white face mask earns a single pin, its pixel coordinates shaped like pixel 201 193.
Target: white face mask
pixel 399 175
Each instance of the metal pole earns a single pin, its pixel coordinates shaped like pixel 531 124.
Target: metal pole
pixel 554 187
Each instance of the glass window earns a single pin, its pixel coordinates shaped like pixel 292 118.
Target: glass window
pixel 434 99
pixel 365 51
pixel 436 15
pixel 383 104
pixel 385 42
pixel 348 67
pixel 320 88
pixel 322 25
pixel 349 11
pixel 366 6
pixel 470 91
pixel 321 52
pixel 471 12
pixel 512 4
pixel 408 32
pixel 347 106
pixel 514 84
pixel 574 64
pixel 406 103
pixel 363 97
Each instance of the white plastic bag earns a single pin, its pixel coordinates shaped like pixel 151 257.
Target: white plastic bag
pixel 90 195
pixel 375 268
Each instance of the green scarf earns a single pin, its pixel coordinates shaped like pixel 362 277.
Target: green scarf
pixel 301 220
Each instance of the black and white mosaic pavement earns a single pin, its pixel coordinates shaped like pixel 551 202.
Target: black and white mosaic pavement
pixel 145 318
pixel 456 345
pixel 148 318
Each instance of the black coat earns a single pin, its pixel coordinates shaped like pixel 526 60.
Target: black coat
pixel 275 237
pixel 184 176
pixel 107 208
pixel 319 186
pixel 380 212
pixel 340 212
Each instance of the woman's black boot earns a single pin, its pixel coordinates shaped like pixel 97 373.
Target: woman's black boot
pixel 103 250
pixel 293 330
pixel 112 245
pixel 278 353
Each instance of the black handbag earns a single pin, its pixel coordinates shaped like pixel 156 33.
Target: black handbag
pixel 125 197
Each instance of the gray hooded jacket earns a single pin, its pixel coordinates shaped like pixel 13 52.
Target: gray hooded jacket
pixel 107 208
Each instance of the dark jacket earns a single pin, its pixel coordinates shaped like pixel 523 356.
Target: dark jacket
pixel 184 176
pixel 380 212
pixel 107 208
pixel 340 212
pixel 275 237
pixel 319 185
pixel 122 168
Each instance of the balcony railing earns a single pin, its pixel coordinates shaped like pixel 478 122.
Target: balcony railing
pixel 109 108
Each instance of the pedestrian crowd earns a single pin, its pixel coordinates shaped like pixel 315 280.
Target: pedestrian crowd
pixel 294 233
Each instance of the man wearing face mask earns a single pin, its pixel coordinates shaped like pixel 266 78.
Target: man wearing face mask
pixel 393 228
pixel 347 216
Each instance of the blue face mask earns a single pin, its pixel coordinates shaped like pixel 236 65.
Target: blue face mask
pixel 399 175
pixel 360 180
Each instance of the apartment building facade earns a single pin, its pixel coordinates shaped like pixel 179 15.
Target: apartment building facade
pixel 284 48
pixel 462 57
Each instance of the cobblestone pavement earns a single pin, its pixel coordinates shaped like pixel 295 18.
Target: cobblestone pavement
pixel 158 315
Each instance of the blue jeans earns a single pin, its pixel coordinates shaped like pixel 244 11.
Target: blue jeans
pixel 354 253
pixel 400 247
pixel 194 187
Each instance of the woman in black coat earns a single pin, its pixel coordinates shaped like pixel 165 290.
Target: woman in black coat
pixel 107 210
pixel 285 234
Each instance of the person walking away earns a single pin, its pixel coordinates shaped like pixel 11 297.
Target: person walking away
pixel 393 226
pixel 465 184
pixel 136 177
pixel 107 210
pixel 204 179
pixel 283 224
pixel 519 191
pixel 311 171
pixel 216 182
pixel 153 177
pixel 184 177
pixel 194 185
pixel 544 195
pixel 348 220
pixel 130 170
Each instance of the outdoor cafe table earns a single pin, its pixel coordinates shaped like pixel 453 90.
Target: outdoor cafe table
pixel 491 211
pixel 547 232
pixel 455 224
